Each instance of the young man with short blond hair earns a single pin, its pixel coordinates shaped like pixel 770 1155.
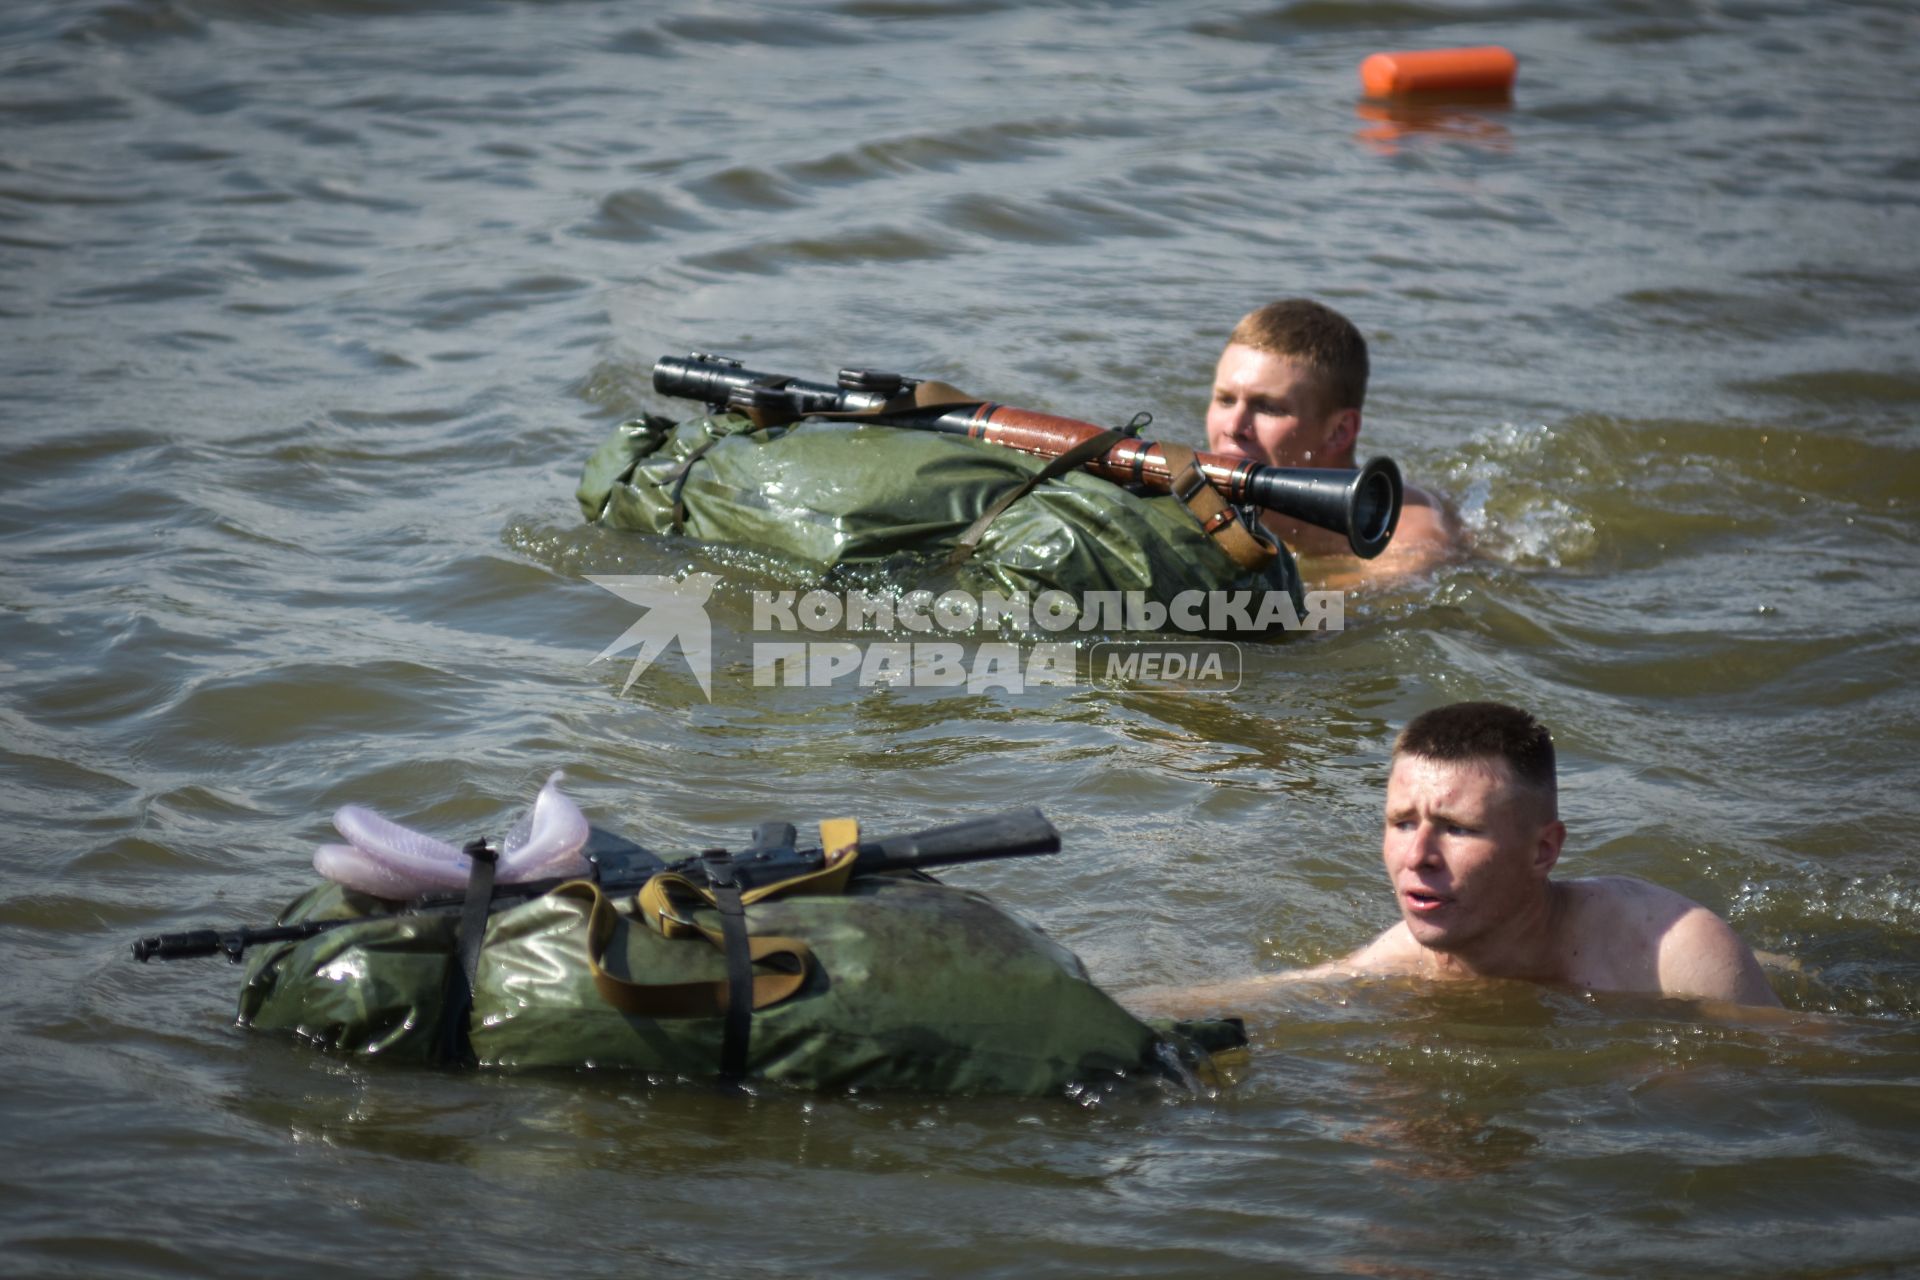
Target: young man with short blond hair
pixel 1287 392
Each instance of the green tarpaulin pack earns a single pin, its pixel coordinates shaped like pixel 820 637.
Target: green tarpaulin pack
pixel 831 493
pixel 902 983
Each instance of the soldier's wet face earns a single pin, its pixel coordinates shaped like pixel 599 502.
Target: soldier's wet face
pixel 1464 847
pixel 1274 410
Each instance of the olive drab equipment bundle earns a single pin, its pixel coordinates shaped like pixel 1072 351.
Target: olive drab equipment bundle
pixel 1363 502
pixel 830 967
pixel 879 467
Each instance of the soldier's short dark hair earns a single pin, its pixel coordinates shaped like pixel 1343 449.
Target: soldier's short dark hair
pixel 1486 731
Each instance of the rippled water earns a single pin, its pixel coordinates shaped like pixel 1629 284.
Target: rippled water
pixel 312 311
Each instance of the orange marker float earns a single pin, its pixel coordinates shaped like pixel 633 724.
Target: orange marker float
pixel 1485 72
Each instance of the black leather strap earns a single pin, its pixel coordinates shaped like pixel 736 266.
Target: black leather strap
pixel 481 857
pixel 1087 450
pixel 737 1034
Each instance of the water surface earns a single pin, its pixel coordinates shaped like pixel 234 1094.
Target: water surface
pixel 313 308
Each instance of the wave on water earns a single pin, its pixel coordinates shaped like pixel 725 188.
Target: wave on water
pixel 1853 941
pixel 1515 499
pixel 1591 490
pixel 1303 17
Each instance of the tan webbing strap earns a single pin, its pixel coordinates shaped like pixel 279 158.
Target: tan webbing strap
pixel 659 900
pixel 700 999
pixel 659 903
pixel 840 841
pixel 1218 520
pixel 1087 450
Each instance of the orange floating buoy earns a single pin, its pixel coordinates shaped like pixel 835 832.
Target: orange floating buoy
pixel 1483 72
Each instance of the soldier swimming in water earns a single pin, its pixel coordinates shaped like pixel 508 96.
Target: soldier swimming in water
pixel 1472 834
pixel 1287 392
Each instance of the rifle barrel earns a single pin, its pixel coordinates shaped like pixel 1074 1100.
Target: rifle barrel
pixel 1019 833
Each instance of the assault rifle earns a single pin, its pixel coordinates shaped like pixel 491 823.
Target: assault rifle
pixel 1362 503
pixel 620 866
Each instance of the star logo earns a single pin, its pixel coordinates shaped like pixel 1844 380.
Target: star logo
pixel 676 610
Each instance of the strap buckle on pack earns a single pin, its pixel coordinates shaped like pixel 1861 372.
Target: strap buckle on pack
pixel 762 970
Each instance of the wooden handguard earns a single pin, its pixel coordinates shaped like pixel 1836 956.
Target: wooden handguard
pixel 1132 461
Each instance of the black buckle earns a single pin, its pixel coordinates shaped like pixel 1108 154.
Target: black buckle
pixel 718 864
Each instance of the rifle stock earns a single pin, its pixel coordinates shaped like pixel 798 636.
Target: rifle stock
pixel 1361 503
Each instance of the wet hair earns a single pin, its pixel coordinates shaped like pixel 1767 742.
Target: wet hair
pixel 1318 337
pixel 1486 731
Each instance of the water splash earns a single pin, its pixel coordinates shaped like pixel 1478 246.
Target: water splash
pixel 1510 510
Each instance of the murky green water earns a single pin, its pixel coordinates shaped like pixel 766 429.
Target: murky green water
pixel 312 310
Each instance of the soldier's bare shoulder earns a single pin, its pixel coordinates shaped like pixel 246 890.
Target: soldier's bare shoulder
pixel 1626 934
pixel 1393 951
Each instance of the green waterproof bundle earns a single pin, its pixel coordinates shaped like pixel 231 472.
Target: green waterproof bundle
pixel 911 985
pixel 837 493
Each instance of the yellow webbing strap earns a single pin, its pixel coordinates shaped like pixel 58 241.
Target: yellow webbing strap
pixel 839 838
pixel 840 841
pixel 1218 520
pixel 701 999
pixel 659 904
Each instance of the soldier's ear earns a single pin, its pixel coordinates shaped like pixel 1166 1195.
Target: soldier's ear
pixel 1344 434
pixel 1546 849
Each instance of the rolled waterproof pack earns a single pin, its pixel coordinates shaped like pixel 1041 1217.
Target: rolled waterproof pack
pixel 829 494
pixel 841 965
pixel 907 984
